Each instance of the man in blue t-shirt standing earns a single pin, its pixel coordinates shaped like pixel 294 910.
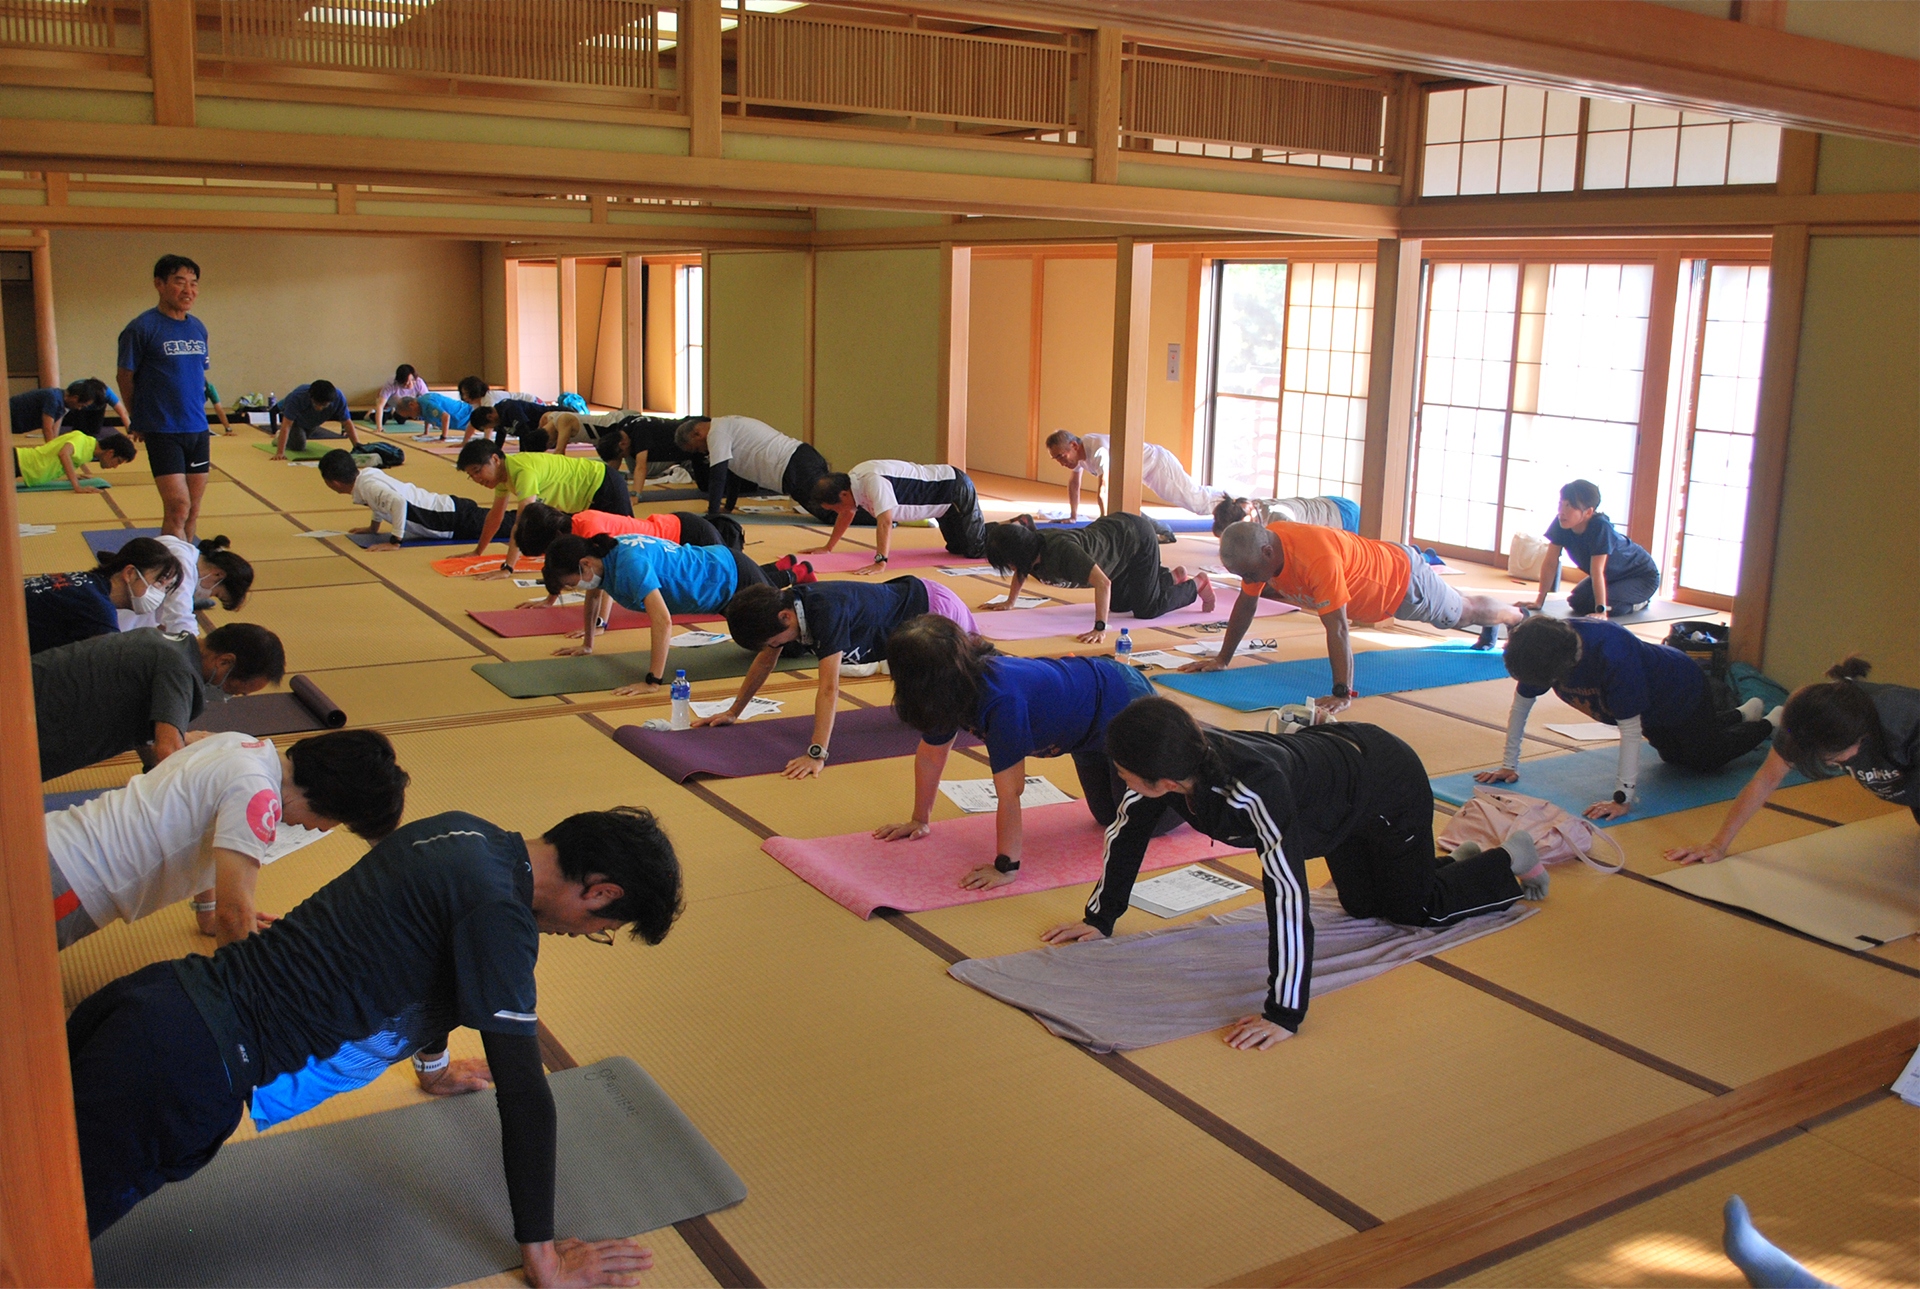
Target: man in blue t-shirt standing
pixel 163 388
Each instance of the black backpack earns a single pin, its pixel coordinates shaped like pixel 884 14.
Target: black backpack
pixel 389 454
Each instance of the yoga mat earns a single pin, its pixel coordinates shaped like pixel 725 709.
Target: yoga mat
pixel 1196 525
pixel 1375 671
pixel 765 747
pixel 1656 611
pixel 667 494
pixel 416 1196
pixel 1857 886
pixel 59 485
pixel 107 541
pixel 559 619
pixel 1061 847
pixel 1576 780
pixel 468 565
pixel 1073 619
pixel 544 677
pixel 309 452
pixel 897 563
pixel 53 801
pixel 299 711
pixel 1172 982
pixel 366 540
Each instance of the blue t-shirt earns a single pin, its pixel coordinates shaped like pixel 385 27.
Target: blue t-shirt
pixel 168 359
pixel 691 579
pixel 1049 706
pixel 1624 558
pixel 1620 675
pixel 854 619
pixel 299 408
pixel 65 607
pixel 26 409
pixel 432 405
pixel 1349 512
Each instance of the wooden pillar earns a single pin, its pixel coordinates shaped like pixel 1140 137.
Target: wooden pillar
pixel 170 60
pixel 700 75
pixel 1103 105
pixel 808 348
pixel 56 184
pixel 510 307
pixel 44 334
pixel 570 325
pixel 1127 428
pixel 43 1223
pixel 1644 517
pixel 1386 471
pixel 956 314
pixel 633 320
pixel 344 197
pixel 1786 294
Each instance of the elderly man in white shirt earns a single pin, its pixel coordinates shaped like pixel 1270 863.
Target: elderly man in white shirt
pixel 1160 470
pixel 741 451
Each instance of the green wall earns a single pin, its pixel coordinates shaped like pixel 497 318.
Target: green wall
pixel 756 337
pixel 876 355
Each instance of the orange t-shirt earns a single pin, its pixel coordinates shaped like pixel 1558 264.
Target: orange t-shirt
pixel 1323 569
pixel 591 523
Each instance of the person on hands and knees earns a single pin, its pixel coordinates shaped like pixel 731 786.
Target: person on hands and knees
pixel 1621 575
pixel 305 412
pixel 1118 555
pixel 45 409
pixel 1160 470
pixel 1353 793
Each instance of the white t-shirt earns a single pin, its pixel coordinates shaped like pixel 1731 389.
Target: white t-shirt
pixel 502 395
pixel 135 850
pixel 389 499
pixel 878 486
pixel 751 449
pixel 176 611
pixel 1095 462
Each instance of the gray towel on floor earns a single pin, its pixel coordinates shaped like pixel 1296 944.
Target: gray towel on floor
pixel 1175 981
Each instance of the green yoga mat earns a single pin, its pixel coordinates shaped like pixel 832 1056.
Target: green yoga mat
pixel 309 452
pixel 544 677
pixel 416 1196
pixel 59 485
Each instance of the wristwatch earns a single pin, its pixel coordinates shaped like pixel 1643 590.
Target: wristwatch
pixel 506 566
pixel 655 680
pixel 879 559
pixel 1619 797
pixel 1340 690
pixel 816 752
pixel 1005 865
pixel 1099 624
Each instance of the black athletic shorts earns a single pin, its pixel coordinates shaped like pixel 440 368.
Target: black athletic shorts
pixel 179 453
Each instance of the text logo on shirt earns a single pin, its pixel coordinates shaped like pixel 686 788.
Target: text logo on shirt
pixel 263 814
pixel 173 348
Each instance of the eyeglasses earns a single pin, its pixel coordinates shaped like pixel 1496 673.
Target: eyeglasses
pixel 598 937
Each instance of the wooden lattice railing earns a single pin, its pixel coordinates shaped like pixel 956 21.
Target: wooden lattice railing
pixel 92 26
pixel 1163 98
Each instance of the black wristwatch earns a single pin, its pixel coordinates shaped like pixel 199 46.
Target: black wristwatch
pixel 506 566
pixel 1340 690
pixel 655 680
pixel 1005 865
pixel 1619 797
pixel 1099 624
pixel 816 752
pixel 879 559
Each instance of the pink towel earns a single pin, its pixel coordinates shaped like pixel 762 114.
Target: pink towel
pixel 900 561
pixel 1072 619
pixel 1062 847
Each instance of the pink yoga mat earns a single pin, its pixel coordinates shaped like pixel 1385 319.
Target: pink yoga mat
pixel 899 562
pixel 1062 847
pixel 1072 619
pixel 558 619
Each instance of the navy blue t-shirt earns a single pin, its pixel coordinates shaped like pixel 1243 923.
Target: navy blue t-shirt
pixel 300 408
pixel 25 410
pixel 65 607
pixel 432 929
pixel 1624 557
pixel 168 359
pixel 1049 706
pixel 1619 675
pixel 854 619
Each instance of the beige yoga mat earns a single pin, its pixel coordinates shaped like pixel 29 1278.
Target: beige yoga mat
pixel 1856 886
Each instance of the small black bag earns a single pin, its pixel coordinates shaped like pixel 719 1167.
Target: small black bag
pixel 1704 642
pixel 390 454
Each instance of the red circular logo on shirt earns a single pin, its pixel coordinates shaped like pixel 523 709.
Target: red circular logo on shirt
pixel 263 814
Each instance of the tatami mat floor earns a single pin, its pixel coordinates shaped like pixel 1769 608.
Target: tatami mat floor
pixel 895 1127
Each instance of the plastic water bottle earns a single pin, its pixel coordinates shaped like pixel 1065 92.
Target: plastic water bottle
pixel 682 701
pixel 1123 647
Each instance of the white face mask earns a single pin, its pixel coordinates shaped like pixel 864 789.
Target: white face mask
pixel 149 600
pixel 588 583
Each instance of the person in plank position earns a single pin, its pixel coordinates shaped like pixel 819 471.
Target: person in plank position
pixel 413 513
pixel 1117 555
pixel 1847 725
pixel 70 454
pixel 843 624
pixel 209 573
pixel 541 526
pixel 304 413
pixel 437 926
pixel 450 413
pixel 566 483
pixel 204 820
pixel 1617 678
pixel 1327 512
pixel 947 679
pixel 641 441
pixel 657 578
pixel 406 383
pixel 45 409
pixel 1344 579
pixel 65 607
pixel 1621 576
pixel 138 691
pixel 885 493
pixel 1160 470
pixel 1353 793
pixel 742 452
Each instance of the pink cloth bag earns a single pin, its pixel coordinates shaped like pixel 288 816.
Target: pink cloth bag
pixel 1493 816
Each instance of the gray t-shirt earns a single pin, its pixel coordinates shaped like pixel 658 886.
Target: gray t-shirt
pixel 98 698
pixel 1891 772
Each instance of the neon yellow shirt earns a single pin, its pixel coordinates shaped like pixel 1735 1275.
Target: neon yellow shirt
pixel 42 464
pixel 563 482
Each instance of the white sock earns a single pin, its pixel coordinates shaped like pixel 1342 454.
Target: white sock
pixel 1524 858
pixel 1775 717
pixel 1751 709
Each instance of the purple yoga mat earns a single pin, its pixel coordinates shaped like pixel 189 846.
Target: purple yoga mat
pixel 300 711
pixel 765 747
pixel 897 563
pixel 1072 619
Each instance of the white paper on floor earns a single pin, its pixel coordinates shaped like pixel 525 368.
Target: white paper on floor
pixel 695 639
pixel 977 796
pixel 1158 658
pixel 755 707
pixel 1908 1084
pixel 322 532
pixel 1248 645
pixel 1592 732
pixel 969 571
pixel 1184 890
pixel 288 838
pixel 37 530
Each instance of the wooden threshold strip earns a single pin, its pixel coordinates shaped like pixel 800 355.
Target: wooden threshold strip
pixel 1435 1243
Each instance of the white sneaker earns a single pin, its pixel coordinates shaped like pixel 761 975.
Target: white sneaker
pixel 1751 709
pixel 1775 717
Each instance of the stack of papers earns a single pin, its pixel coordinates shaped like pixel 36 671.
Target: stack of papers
pixel 1184 890
pixel 1595 732
pixel 1248 645
pixel 1156 658
pixel 1908 1084
pixel 721 706
pixel 695 639
pixel 37 530
pixel 977 796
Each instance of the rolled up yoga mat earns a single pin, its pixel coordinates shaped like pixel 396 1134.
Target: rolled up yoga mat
pixel 108 541
pixel 559 619
pixel 1375 671
pixel 544 677
pixel 765 747
pixel 1072 619
pixel 302 709
pixel 416 1196
pixel 1575 780
pixel 1171 982
pixel 1062 846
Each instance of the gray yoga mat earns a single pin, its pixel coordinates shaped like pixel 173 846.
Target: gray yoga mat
pixel 1656 611
pixel 416 1196
pixel 543 677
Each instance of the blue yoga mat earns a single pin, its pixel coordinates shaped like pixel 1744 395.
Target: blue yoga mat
pixel 1176 525
pixel 106 541
pixel 1578 779
pixel 1376 671
pixel 53 801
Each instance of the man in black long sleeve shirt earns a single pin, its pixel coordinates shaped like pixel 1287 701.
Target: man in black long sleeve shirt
pixel 437 926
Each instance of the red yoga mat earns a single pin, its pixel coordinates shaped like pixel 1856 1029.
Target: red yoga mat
pixel 557 620
pixel 765 747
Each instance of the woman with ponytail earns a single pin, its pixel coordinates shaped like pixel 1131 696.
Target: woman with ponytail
pixel 209 572
pixel 657 578
pixel 1118 555
pixel 1849 726
pixel 65 607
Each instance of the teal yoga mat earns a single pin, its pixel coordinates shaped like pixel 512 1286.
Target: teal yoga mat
pixel 1578 779
pixel 59 485
pixel 1377 671
pixel 309 452
pixel 544 677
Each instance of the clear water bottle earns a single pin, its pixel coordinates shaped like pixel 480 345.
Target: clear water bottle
pixel 1123 647
pixel 682 701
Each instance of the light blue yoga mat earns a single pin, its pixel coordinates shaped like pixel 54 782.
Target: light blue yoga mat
pixel 1376 671
pixel 52 801
pixel 1578 779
